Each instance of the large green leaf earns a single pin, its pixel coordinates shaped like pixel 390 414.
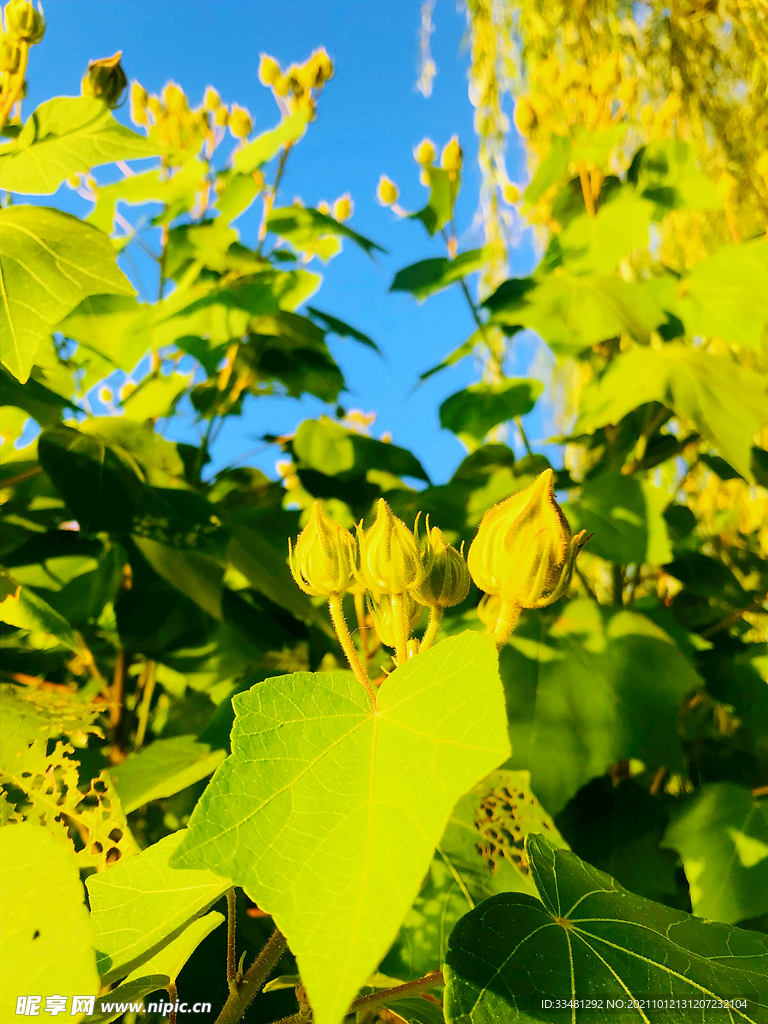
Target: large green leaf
pixel 721 834
pixel 595 947
pixel 554 165
pixel 334 839
pixel 596 244
pixel 443 189
pixel 333 325
pixel 625 516
pixel 163 768
pixel 50 262
pixel 601 685
pixel 301 226
pixel 431 276
pixel 471 413
pixel 46 933
pixel 102 324
pixel 665 171
pixel 23 608
pixel 573 312
pixel 695 385
pixel 139 906
pixel 250 157
pixel 331 449
pixel 197 575
pixel 724 295
pixel 63 136
pixel 176 191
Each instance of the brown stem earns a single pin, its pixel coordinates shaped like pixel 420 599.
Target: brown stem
pixel 19 478
pixel 146 702
pixel 733 618
pixel 231 948
pixel 388 995
pixel 254 979
pixel 173 995
pixel 342 632
pixel 617 574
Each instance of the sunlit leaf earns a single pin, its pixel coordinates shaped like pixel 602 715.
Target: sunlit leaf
pixel 431 276
pixel 472 413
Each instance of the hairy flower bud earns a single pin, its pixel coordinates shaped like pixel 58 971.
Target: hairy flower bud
pixel 510 192
pixel 174 98
pixel 221 117
pixel 323 65
pixel 383 615
pixel 343 208
pixel 387 191
pixel 139 101
pixel 425 153
pixel 447 579
pixel 211 99
pixel 105 79
pixel 269 69
pixel 23 22
pixel 10 55
pixel 323 561
pixel 524 116
pixel 524 550
pixel 451 158
pixel 390 562
pixel 240 122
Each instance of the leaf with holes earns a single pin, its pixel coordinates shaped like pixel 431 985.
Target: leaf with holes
pixel 50 262
pixel 590 939
pixel 334 840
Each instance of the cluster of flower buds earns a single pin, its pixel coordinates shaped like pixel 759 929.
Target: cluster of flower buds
pixel 451 157
pixel 23 26
pixel 180 128
pixel 294 86
pixel 105 79
pixel 522 557
pixel 342 209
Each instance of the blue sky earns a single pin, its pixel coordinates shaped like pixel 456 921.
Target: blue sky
pixel 370 118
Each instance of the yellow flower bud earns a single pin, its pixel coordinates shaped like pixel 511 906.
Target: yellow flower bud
pixel 105 395
pixel 323 207
pixel 10 55
pixel 221 117
pixel 127 389
pixel 390 562
pixel 670 107
pixel 269 69
pixel 323 561
pixel 174 99
pixel 106 79
pixel 525 116
pixel 627 91
pixel 73 181
pixel 324 66
pixel 384 616
pixel 155 107
pixel 524 550
pixel 762 163
pixel 447 579
pixel 452 156
pixel 343 208
pixel 211 100
pixel 387 192
pixel 605 77
pixel 240 122
pixel 425 153
pixel 510 192
pixel 488 611
pixel 139 100
pixel 282 86
pixel 23 22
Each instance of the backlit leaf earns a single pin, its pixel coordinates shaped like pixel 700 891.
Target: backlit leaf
pixel 431 276
pixel 471 413
pixel 301 226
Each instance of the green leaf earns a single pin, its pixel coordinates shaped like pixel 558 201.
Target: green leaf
pixel 163 768
pixel 596 244
pixel 254 154
pixel 335 451
pixel 102 324
pixel 335 326
pixel 665 171
pixel 333 841
pixel 194 574
pixel 170 960
pixel 129 992
pixel 724 295
pixel 443 189
pixel 139 906
pixel 594 145
pixel 625 516
pixel 572 313
pixel 176 191
pixel 590 939
pixel 63 136
pixel 23 608
pixel 31 714
pixel 480 854
pixel 46 939
pixel 601 685
pixel 431 276
pixel 302 225
pixel 554 165
pixel 695 385
pixel 471 413
pixel 721 834
pixel 158 459
pixel 50 262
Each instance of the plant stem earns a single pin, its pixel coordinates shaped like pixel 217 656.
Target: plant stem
pixel 617 573
pixel 586 190
pixel 146 701
pixel 506 622
pixel 173 995
pixel 342 632
pixel 360 616
pixel 231 950
pixel 435 618
pixel 269 200
pixel 19 478
pixel 389 995
pixel 401 628
pixel 253 979
pixel 523 435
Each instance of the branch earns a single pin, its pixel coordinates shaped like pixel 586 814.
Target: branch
pixel 254 979
pixel 387 995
